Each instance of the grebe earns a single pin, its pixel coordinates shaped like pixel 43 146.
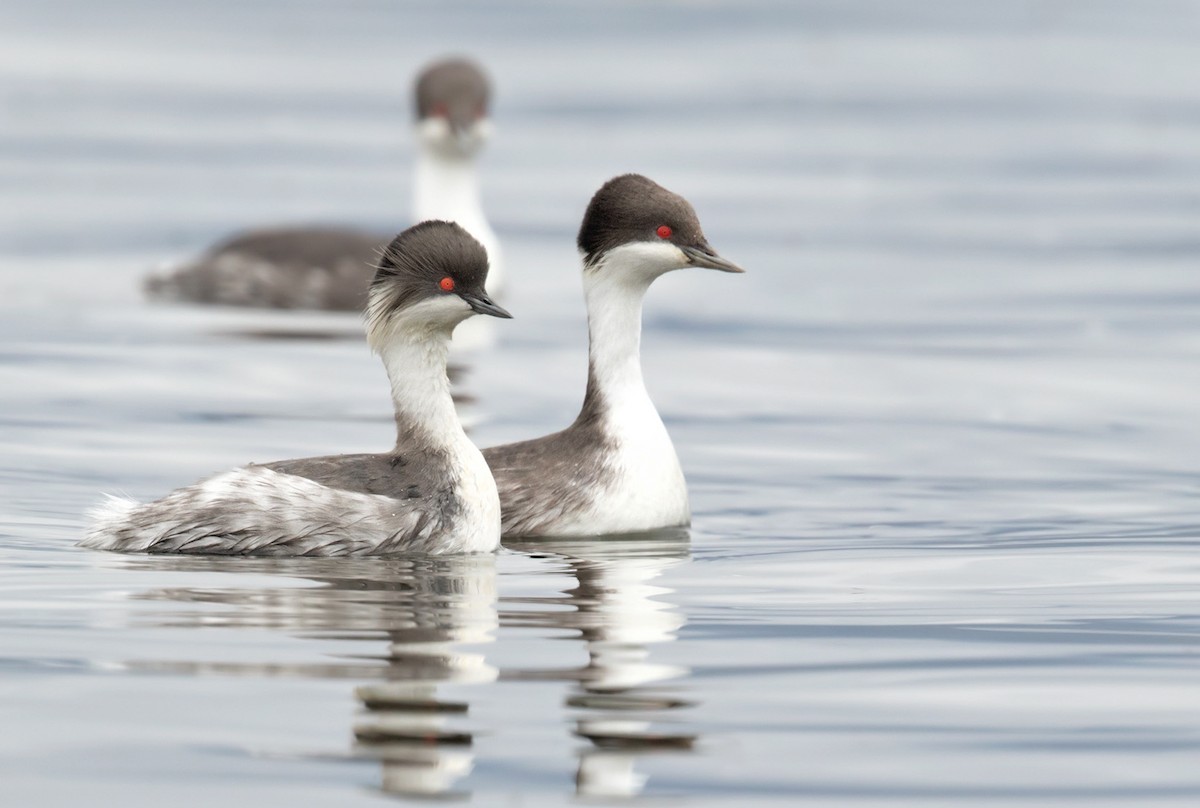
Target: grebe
pixel 432 493
pixel 614 470
pixel 330 267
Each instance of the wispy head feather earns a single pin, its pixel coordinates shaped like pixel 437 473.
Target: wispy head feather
pixel 412 268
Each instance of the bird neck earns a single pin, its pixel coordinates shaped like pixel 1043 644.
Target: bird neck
pixel 614 305
pixel 447 187
pixel 415 360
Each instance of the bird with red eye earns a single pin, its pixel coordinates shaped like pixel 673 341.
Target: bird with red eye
pixel 328 266
pixel 614 470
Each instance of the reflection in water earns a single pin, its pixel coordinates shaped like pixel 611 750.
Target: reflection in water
pixel 619 616
pixel 423 608
pixel 430 612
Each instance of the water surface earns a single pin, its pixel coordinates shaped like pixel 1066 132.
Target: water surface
pixel 941 439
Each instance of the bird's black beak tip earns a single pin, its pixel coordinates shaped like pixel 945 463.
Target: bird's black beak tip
pixel 480 303
pixel 707 258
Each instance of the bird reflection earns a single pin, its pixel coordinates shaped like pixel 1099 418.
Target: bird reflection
pixel 425 609
pixel 620 701
pixel 431 615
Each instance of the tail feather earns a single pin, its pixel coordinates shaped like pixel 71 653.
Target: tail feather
pixel 106 522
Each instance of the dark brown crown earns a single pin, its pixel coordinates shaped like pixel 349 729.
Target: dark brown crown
pixel 633 208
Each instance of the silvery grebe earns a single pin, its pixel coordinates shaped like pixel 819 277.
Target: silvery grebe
pixel 330 267
pixel 432 493
pixel 614 470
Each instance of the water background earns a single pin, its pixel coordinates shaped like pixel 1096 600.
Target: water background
pixel 942 439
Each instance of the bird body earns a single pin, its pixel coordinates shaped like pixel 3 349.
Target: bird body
pixel 432 493
pixel 614 470
pixel 330 267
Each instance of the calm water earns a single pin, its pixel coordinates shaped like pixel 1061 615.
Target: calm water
pixel 942 439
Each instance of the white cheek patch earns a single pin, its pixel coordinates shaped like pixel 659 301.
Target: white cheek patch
pixel 446 310
pixel 641 259
pixel 437 136
pixel 439 313
pixel 481 131
pixel 433 131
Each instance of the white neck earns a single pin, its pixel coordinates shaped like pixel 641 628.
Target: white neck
pixel 649 489
pixel 614 305
pixel 414 351
pixel 415 360
pixel 447 187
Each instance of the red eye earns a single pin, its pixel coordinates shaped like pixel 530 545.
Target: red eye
pixel 663 231
pixel 440 110
pixel 447 284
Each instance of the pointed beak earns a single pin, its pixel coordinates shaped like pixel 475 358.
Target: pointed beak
pixel 480 303
pixel 705 256
pixel 461 132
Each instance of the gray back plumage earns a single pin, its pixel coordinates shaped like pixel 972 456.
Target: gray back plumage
pixel 421 482
pixel 413 476
pixel 543 479
pixel 286 268
pixel 255 510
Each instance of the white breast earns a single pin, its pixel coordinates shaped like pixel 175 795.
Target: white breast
pixel 648 487
pixel 644 487
pixel 479 530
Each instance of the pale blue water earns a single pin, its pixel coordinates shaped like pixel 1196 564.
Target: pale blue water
pixel 942 439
